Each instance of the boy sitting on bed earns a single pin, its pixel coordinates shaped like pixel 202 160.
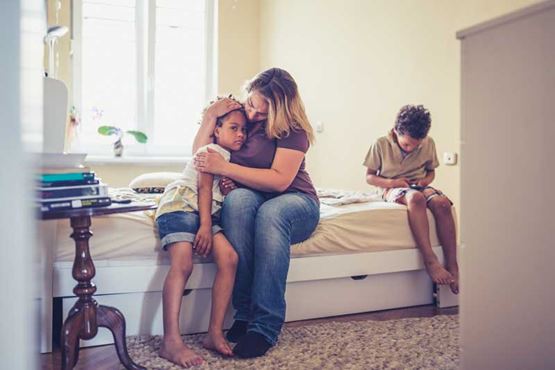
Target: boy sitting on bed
pixel 402 164
pixel 187 220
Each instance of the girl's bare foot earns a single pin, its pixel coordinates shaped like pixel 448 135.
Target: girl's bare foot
pixel 438 273
pixel 454 271
pixel 215 341
pixel 176 351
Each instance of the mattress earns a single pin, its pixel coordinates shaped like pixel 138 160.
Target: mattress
pixel 345 228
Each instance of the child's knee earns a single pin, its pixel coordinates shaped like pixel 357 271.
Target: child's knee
pixel 183 269
pixel 440 204
pixel 228 259
pixel 415 199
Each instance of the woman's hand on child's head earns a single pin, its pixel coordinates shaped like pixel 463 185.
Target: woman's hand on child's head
pixel 227 185
pixel 203 241
pixel 210 162
pixel 222 106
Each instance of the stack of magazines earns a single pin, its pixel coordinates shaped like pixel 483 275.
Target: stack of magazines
pixel 71 188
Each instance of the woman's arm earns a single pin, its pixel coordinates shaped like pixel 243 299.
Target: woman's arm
pixel 284 168
pixel 215 110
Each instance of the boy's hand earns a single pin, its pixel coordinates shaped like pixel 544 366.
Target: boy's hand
pixel 422 183
pixel 203 241
pixel 400 183
pixel 227 185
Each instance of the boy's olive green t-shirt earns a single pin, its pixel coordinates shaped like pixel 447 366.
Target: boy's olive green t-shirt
pixel 386 158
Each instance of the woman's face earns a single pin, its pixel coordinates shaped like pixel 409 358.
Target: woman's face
pixel 256 107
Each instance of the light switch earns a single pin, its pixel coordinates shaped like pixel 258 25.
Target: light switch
pixel 450 158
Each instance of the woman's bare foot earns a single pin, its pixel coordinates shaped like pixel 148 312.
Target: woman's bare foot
pixel 454 271
pixel 176 351
pixel 215 341
pixel 438 273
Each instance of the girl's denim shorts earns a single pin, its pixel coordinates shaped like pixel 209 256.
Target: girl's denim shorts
pixel 181 226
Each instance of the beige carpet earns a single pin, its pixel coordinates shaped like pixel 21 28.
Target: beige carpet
pixel 416 343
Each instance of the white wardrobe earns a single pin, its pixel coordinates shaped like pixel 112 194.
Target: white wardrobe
pixel 508 191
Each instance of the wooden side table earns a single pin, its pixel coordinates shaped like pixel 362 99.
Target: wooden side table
pixel 87 315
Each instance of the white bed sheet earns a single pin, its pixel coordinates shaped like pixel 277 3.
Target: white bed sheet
pixel 353 228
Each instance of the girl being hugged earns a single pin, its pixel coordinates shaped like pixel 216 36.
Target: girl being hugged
pixel 188 222
pixel 272 205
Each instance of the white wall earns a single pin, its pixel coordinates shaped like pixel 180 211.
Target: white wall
pixel 357 62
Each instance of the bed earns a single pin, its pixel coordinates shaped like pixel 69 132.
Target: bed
pixel 361 258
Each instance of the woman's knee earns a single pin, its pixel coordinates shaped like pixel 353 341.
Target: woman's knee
pixel 239 203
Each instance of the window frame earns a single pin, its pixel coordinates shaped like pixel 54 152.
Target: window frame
pixel 145 13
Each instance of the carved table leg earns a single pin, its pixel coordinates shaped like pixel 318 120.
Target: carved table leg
pixel 70 339
pixel 112 318
pixel 86 315
pixel 81 321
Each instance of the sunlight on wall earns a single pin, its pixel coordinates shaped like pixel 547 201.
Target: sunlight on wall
pixel 358 62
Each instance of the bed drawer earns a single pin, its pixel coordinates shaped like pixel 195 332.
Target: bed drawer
pixel 143 313
pixel 331 297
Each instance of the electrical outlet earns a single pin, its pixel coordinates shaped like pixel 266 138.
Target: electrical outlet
pixel 450 158
pixel 319 126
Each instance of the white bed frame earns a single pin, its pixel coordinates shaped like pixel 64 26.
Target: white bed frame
pixel 317 286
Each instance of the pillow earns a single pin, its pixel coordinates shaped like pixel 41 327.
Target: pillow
pixel 153 182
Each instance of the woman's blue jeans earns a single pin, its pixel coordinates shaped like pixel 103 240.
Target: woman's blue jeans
pixel 262 230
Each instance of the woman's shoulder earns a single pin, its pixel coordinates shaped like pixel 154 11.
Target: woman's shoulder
pixel 297 139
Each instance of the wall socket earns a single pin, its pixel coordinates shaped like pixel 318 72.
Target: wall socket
pixel 450 158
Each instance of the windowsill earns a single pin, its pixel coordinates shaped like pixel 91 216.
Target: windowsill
pixel 137 160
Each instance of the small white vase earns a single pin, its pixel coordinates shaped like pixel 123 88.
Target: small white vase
pixel 118 148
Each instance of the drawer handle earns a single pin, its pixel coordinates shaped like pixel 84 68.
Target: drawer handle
pixel 187 292
pixel 359 277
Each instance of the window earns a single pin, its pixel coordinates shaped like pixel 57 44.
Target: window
pixel 142 65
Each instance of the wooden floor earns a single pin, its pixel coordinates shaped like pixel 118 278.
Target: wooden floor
pixel 105 358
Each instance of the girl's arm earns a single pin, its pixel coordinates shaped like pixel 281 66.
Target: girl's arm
pixel 284 168
pixel 203 239
pixel 373 179
pixel 215 110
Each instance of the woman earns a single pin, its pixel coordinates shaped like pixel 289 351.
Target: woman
pixel 276 205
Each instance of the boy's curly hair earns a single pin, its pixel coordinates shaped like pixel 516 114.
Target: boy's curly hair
pixel 413 120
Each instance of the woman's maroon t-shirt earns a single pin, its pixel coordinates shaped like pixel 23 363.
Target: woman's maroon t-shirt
pixel 259 151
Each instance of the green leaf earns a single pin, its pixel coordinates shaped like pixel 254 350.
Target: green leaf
pixel 139 136
pixel 108 130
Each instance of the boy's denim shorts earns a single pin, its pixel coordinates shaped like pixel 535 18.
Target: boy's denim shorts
pixel 181 226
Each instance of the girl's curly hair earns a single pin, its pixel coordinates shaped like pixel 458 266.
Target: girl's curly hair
pixel 413 120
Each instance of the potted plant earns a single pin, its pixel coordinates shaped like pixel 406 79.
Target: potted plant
pixel 118 132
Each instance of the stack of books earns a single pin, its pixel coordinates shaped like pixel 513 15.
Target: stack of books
pixel 70 188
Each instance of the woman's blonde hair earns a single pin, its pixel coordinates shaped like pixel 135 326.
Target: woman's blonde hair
pixel 285 108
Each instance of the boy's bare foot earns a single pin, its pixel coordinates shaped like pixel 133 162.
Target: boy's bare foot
pixel 216 342
pixel 438 273
pixel 178 353
pixel 454 271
